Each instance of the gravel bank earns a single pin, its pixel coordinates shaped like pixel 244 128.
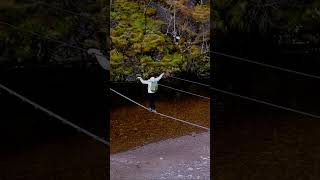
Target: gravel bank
pixel 186 157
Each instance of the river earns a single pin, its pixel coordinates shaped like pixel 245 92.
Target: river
pixel 37 146
pixel 256 141
pixel 133 126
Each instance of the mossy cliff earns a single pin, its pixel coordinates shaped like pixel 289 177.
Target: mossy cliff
pixel 141 46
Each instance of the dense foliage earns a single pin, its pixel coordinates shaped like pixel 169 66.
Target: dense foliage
pixel 143 43
pixel 51 20
pixel 290 21
pixel 143 34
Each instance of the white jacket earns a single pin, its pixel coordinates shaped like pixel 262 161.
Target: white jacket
pixel 148 82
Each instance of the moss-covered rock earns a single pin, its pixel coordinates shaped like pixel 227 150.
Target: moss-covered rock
pixel 140 38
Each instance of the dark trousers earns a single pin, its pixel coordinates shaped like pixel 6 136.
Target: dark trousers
pixel 152 100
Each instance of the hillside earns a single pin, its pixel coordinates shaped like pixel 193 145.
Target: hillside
pixel 150 37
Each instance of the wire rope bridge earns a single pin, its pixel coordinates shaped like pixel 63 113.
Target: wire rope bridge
pixel 104 62
pixel 160 114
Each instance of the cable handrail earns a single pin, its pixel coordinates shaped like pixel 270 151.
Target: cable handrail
pixel 267 65
pixel 128 99
pixel 259 101
pixel 161 114
pixel 50 113
pixel 204 97
pixel 265 103
pixel 194 82
pixel 169 87
pixel 245 97
pixel 37 106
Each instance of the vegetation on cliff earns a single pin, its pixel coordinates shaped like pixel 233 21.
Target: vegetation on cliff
pixel 143 44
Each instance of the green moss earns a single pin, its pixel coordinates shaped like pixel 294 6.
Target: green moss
pixel 142 48
pixel 118 31
pixel 138 23
pixel 201 13
pixel 195 51
pixel 136 36
pixel 119 42
pixel 152 42
pixel 151 11
pixel 175 58
pixel 114 15
pixel 116 56
pixel 146 59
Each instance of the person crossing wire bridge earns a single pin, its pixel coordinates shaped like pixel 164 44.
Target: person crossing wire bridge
pixel 152 90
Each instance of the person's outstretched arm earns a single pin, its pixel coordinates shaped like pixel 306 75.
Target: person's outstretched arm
pixel 158 78
pixel 142 81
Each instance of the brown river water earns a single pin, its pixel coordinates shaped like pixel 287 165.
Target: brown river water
pixel 132 126
pixel 265 143
pixel 35 146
